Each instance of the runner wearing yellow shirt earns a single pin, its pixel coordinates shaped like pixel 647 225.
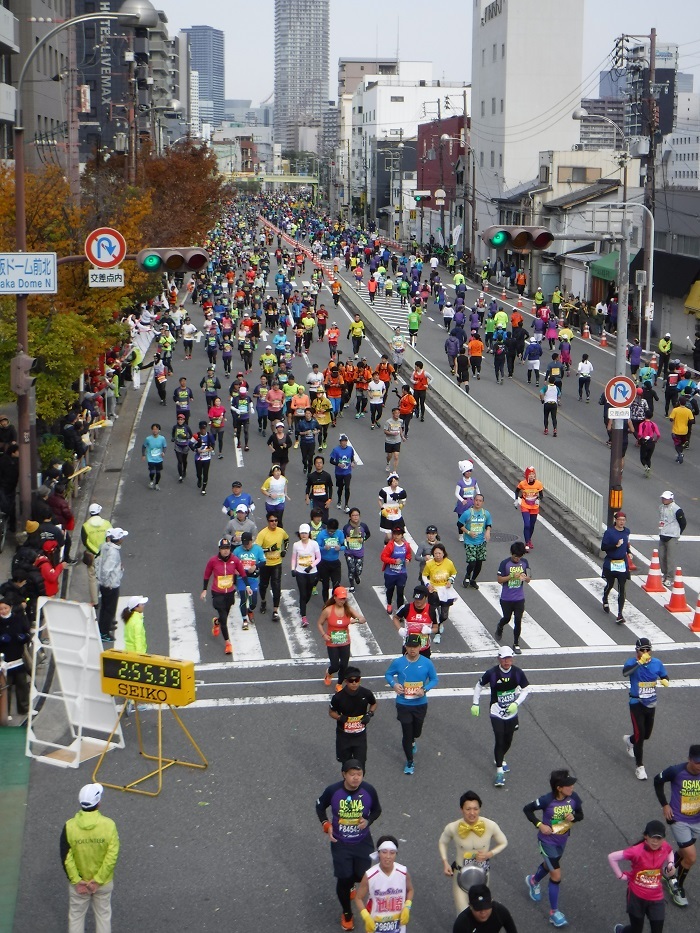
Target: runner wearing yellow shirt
pixel 439 575
pixel 274 541
pixel 681 419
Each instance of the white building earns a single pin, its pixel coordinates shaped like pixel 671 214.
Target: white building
pixel 680 159
pixel 526 82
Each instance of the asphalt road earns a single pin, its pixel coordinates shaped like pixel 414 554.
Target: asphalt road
pixel 238 846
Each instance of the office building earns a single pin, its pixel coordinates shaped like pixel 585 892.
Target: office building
pixel 207 57
pixel 9 46
pixel 302 39
pixel 599 134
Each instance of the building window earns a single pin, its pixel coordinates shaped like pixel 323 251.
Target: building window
pixel 503 50
pixel 501 105
pixel 483 57
pixel 481 159
pixel 397 99
pixel 500 160
pixel 493 106
pixel 483 108
pixel 493 159
pixel 579 174
pixel 493 52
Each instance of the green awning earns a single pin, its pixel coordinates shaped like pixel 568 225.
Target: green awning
pixel 606 266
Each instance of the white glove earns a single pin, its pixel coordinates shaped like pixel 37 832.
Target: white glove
pixel 426 630
pixel 403 632
pixel 516 503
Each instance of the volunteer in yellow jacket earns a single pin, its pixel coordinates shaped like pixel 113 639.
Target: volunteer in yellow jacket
pixel 135 636
pixel 476 841
pixel 89 853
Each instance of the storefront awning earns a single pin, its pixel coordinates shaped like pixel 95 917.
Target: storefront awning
pixel 606 266
pixel 692 302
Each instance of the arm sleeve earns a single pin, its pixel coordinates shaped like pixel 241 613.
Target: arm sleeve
pixel 106 869
pixel 523 695
pixel 659 781
pixel 681 519
pixel 630 666
pixel 376 810
pixel 529 811
pixel 506 919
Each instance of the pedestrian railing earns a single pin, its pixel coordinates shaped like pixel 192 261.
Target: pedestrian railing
pixel 576 496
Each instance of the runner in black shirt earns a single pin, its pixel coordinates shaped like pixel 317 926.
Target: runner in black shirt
pixel 352 708
pixel 484 915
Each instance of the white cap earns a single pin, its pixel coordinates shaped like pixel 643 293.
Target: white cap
pixel 116 534
pixel 135 601
pixel 505 652
pixel 90 795
pixel 666 495
pixel 95 509
pixel 305 527
pixel 241 507
pixel 465 466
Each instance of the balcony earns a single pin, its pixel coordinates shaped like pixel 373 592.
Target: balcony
pixel 8 97
pixel 9 32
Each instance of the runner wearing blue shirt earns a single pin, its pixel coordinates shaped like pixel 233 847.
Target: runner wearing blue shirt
pixel 237 497
pixel 411 677
pixel 252 557
pixel 331 543
pixel 343 459
pixel 644 673
pixel 153 450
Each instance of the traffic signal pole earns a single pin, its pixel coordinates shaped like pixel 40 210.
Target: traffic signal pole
pixel 615 494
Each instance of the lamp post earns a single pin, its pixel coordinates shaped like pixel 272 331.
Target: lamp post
pixel 132 12
pixel 582 114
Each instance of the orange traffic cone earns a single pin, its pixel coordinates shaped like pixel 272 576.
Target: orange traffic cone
pixel 677 602
pixel 520 301
pixel 533 310
pixel 654 581
pixel 503 294
pixel 603 340
pixel 585 333
pixel 631 566
pixel 654 363
pixel 486 285
pixel 695 624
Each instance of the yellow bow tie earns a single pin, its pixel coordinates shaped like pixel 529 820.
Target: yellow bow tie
pixel 479 828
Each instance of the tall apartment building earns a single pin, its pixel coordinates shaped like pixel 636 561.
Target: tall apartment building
pixel 207 57
pixel 9 46
pixel 302 42
pixel 598 134
pixel 513 118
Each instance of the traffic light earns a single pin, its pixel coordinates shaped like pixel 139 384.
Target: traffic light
pixel 173 259
pixel 517 238
pixel 22 373
pixel 421 197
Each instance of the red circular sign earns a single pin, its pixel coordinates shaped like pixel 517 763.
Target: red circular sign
pixel 620 390
pixel 105 247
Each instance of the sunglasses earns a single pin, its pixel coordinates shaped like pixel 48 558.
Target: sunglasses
pixel 353 680
pixel 271 519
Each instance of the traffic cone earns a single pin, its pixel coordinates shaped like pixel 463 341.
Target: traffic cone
pixel 654 581
pixel 533 310
pixel 519 303
pixel 695 624
pixel 586 332
pixel 503 294
pixel 677 602
pixel 654 363
pixel 631 566
pixel 486 285
pixel 603 340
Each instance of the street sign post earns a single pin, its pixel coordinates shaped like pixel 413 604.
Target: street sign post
pixel 28 274
pixel 619 391
pixel 105 247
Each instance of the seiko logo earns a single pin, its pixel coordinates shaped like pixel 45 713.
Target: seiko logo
pixel 492 10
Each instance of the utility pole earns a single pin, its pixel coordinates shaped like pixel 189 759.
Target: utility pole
pixel 73 156
pixel 615 478
pixel 473 206
pixel 465 174
pixel 442 173
pixel 650 186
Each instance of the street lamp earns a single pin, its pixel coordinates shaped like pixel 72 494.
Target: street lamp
pixel 582 114
pixel 131 13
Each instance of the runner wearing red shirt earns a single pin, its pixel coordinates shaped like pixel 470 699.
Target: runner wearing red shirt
pixel 223 569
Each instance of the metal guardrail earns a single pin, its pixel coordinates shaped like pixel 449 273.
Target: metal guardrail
pixel 579 498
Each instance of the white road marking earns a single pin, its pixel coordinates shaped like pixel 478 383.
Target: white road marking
pixel 300 641
pixel 466 622
pixel 182 628
pixel 635 620
pixel 533 634
pixel 662 599
pixel 571 614
pixel 239 455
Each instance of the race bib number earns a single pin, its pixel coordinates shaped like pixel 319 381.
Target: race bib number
pixel 649 878
pixel 354 725
pixel 412 689
pixel 506 698
pixel 387 924
pixel 392 512
pixel 339 637
pixel 225 582
pixel 318 489
pixel 204 454
pixel 304 560
pixel 354 544
pixel 515 574
pixel 618 566
pixel 647 691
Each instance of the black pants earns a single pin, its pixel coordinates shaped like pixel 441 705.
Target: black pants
pixel 242 426
pixel 342 485
pixel 550 408
pixel 406 421
pixel 305 584
pixel 353 745
pixel 646 452
pixel 419 395
pixel 223 603
pixel 642 726
pixel 610 579
pixel 503 732
pixel 18 679
pixel 307 456
pixel 107 619
pixel 584 385
pixel 375 413
pixel 181 463
pixel 638 909
pixel 411 719
pixel 271 576
pixel 499 362
pixel 514 608
pixel 338 660
pixel 329 572
pixel 202 468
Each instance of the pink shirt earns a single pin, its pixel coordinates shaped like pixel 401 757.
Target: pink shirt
pixel 645 874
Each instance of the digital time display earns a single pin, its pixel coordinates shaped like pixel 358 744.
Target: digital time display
pixel 152 678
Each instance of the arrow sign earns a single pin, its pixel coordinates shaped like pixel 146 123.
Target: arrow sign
pixel 105 247
pixel 620 391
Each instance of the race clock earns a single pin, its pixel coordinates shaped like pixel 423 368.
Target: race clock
pixel 148 678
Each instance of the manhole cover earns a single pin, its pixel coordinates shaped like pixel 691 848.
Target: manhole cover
pixel 503 536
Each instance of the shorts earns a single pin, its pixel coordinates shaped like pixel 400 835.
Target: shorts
pixel 639 908
pixel 685 834
pixel 392 448
pixel 551 854
pixel 352 861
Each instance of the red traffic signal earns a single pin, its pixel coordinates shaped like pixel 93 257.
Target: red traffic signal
pixel 173 259
pixel 517 238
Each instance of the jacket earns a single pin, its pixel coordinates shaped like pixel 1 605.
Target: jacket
pixel 94 532
pixel 51 575
pixel 89 847
pixel 108 566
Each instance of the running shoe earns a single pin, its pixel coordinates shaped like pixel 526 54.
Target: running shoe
pixel 500 779
pixel 627 739
pixel 677 893
pixel 606 607
pixel 437 639
pixel 351 589
pixel 245 625
pixel 215 628
pixel 151 484
pixel 347 509
pixel 414 747
pixel 409 768
pixel 263 607
pixel 557 919
pixel 465 581
pixel 328 679
pixel 275 616
pixel 296 444
pixel 533 889
pixel 388 609
pixel 251 618
pixel 546 431
pixel 228 648
pixel 618 928
pixel 304 622
pixel 620 620
pixel 473 584
pixel 640 773
pixel 554 433
pixel 499 632
pixel 338 688
pixel 517 649
pixel 347 923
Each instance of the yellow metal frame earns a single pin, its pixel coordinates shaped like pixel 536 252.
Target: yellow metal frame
pixel 163 763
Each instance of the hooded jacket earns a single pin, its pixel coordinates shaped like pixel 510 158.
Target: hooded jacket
pixel 89 847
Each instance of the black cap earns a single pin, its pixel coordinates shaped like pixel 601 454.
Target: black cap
pixel 225 542
pixel 246 537
pixel 413 641
pixel 642 644
pixel 352 764
pixel 431 530
pixel 236 482
pixel 203 424
pixel 420 592
pixel 655 829
pixel 480 897
pixel 564 779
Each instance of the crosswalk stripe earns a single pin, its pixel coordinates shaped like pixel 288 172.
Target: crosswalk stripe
pixel 635 620
pixel 300 641
pixel 662 599
pixel 119 634
pixel 571 614
pixel 182 629
pixel 466 622
pixel 533 634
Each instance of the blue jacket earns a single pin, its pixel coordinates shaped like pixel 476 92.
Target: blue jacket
pixel 411 675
